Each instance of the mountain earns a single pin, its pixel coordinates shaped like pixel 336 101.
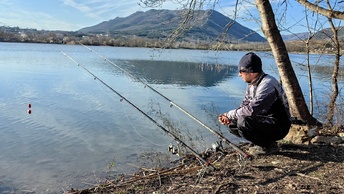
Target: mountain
pixel 297 36
pixel 320 35
pixel 327 34
pixel 206 25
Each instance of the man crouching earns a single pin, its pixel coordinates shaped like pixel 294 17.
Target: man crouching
pixel 263 117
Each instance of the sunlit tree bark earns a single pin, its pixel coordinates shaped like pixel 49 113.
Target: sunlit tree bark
pixel 335 92
pixel 329 13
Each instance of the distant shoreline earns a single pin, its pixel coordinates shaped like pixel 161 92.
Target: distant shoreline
pixel 293 46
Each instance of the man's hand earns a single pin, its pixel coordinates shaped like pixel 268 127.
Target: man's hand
pixel 224 120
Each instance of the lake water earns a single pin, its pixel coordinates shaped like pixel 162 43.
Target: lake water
pixel 78 126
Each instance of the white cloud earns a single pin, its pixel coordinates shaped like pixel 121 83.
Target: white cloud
pixel 108 9
pixel 37 20
pixel 101 9
pixel 67 14
pixel 79 6
pixel 4 2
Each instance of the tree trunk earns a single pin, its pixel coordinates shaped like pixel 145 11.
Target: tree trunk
pixel 335 92
pixel 290 83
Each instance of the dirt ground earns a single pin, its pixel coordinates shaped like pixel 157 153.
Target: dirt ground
pixel 294 169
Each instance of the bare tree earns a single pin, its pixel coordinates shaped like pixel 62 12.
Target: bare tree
pixel 335 92
pixel 296 99
pixel 307 42
pixel 331 14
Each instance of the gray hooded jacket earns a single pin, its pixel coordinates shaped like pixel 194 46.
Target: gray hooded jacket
pixel 265 97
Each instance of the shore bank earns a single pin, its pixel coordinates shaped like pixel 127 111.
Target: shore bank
pixel 294 169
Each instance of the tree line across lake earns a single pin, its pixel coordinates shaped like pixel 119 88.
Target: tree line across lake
pixel 63 37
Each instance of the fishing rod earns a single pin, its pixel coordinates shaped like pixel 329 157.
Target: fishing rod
pixel 150 118
pixel 219 135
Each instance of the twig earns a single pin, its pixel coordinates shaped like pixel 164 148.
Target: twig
pixel 150 176
pixel 218 188
pixel 200 187
pixel 143 168
pixel 303 175
pixel 159 178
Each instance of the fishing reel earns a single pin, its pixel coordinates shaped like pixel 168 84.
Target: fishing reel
pixel 173 149
pixel 217 146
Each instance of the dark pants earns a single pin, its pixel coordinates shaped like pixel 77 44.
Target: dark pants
pixel 260 130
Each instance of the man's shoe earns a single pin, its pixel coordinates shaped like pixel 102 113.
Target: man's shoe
pixel 258 150
pixel 273 148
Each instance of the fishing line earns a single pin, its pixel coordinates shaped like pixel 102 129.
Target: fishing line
pixel 165 118
pixel 132 125
pixel 127 116
pixel 147 116
pixel 33 96
pixel 172 104
pixel 158 104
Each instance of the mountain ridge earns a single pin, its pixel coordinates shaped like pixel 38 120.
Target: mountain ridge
pixel 205 25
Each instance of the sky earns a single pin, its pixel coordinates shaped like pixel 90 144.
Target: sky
pixel 72 15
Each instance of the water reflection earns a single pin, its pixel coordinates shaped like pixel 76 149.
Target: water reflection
pixel 78 125
pixel 325 70
pixel 181 73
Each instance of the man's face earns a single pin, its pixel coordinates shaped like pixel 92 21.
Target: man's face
pixel 247 77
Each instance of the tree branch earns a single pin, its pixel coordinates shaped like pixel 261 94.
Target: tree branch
pixel 325 12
